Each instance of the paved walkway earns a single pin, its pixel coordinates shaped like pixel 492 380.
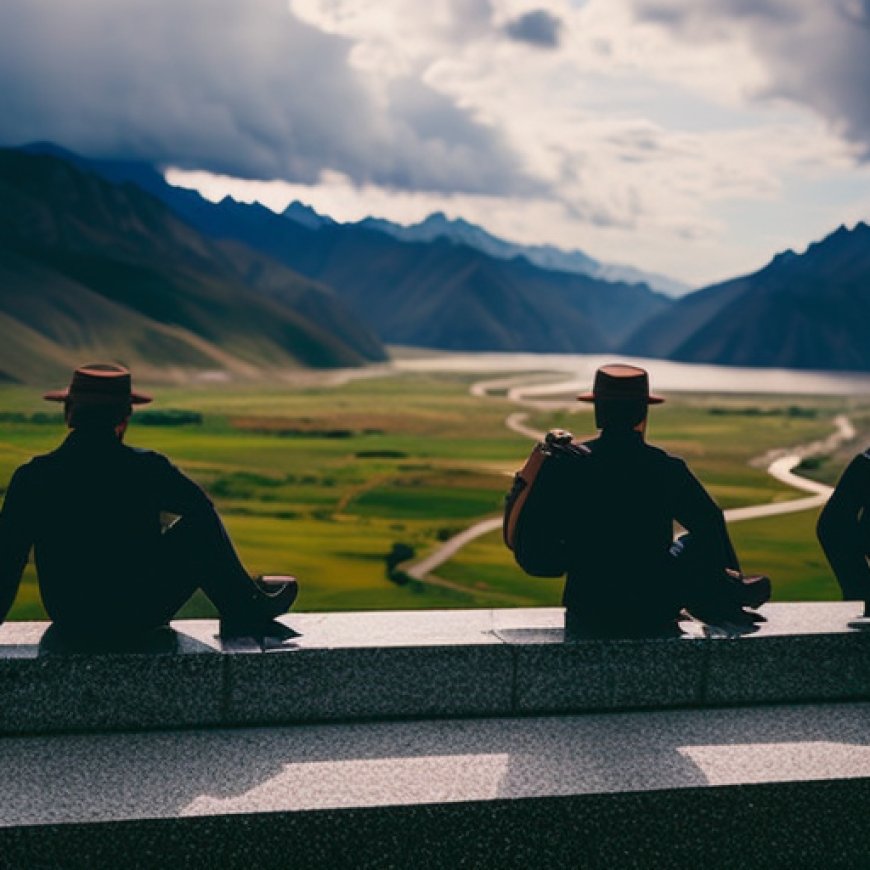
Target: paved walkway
pixel 89 778
pixel 780 465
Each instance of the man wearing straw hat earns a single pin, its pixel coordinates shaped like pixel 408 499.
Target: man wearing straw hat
pixel 626 574
pixel 91 510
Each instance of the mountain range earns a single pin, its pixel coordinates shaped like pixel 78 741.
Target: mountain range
pixel 437 225
pixel 104 258
pixel 441 293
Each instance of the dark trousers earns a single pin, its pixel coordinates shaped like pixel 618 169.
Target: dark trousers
pixel 192 553
pixel 689 578
pixel 198 554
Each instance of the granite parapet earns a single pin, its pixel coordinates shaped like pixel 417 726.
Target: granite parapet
pixel 384 665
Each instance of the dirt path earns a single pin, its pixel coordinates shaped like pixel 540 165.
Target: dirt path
pixel 782 468
pixel 780 464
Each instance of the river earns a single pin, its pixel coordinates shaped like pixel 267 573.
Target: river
pixel 665 376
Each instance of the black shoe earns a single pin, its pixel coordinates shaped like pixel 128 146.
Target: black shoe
pixel 268 600
pixel 752 616
pixel 277 596
pixel 752 590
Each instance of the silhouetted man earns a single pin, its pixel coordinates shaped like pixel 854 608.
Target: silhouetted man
pixel 844 530
pixel 626 574
pixel 108 568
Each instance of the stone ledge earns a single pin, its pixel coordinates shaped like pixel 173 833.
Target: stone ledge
pixel 349 666
pixel 766 786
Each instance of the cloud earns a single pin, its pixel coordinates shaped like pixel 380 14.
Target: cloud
pixel 655 121
pixel 538 27
pixel 816 55
pixel 247 89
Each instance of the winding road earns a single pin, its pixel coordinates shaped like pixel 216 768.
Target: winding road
pixel 780 465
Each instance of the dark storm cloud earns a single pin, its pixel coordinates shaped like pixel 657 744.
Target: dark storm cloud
pixel 244 89
pixel 816 53
pixel 471 17
pixel 538 27
pixel 698 15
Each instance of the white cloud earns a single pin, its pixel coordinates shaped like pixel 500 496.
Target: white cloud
pixel 813 54
pixel 652 131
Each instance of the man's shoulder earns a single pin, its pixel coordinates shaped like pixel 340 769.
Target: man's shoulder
pixel 860 463
pixel 668 463
pixel 144 456
pixel 145 453
pixel 650 453
pixel 859 467
pixel 38 463
pixel 663 455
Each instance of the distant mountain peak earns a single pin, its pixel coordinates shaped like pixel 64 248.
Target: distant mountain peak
pixel 782 257
pixel 843 232
pixel 436 217
pixel 306 215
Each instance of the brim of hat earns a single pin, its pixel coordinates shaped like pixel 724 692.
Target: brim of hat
pixel 591 397
pixel 63 395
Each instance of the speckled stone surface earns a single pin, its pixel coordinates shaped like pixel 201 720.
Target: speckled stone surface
pixel 729 787
pixel 83 777
pixel 424 664
pixel 606 674
pixel 176 680
pixel 805 652
pixel 369 665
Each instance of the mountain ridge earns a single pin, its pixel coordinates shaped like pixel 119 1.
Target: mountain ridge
pixel 437 224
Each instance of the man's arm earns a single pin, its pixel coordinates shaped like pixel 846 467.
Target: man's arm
pixel 696 511
pixel 16 539
pixel 178 494
pixel 839 529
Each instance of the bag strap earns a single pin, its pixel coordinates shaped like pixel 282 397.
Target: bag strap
pixel 556 440
pixel 524 478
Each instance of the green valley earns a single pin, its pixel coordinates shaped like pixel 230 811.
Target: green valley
pixel 327 480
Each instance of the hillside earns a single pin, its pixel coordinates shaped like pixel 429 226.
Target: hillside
pixel 93 270
pixel 808 311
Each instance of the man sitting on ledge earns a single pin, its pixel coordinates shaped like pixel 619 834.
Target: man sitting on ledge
pixel 844 532
pixel 109 570
pixel 626 575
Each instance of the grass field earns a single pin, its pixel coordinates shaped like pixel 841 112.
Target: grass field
pixel 326 481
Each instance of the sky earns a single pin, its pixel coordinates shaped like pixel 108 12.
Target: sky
pixel 696 138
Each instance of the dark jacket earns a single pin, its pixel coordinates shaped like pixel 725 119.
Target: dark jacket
pixel 844 529
pixel 628 496
pixel 91 510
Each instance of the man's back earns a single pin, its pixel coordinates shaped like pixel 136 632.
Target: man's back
pixel 627 496
pixel 91 509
